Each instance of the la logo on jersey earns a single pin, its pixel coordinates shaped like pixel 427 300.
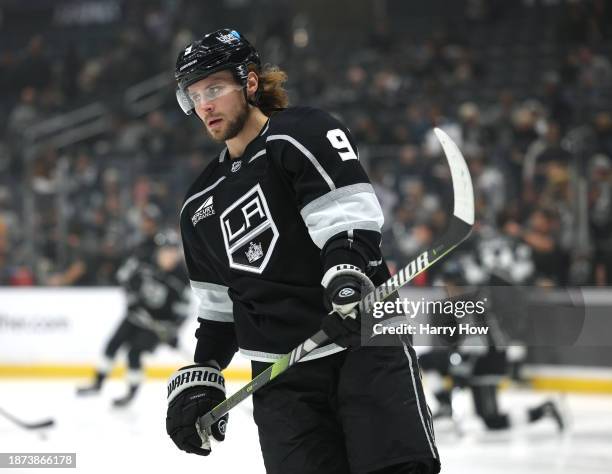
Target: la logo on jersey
pixel 249 232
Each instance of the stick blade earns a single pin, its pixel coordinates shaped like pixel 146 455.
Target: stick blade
pixel 26 425
pixel 41 424
pixel 462 182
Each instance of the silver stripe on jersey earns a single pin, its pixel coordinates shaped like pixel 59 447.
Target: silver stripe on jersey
pixel 214 303
pixel 204 285
pixel 426 426
pixel 204 191
pixel 308 155
pixel 343 209
pixel 257 155
pixel 222 155
pixel 271 357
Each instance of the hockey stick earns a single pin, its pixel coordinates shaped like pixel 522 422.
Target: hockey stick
pixel 25 425
pixel 459 229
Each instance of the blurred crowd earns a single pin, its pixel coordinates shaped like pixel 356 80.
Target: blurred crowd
pixel 525 91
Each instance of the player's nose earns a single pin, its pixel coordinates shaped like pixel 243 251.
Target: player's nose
pixel 205 108
pixel 204 111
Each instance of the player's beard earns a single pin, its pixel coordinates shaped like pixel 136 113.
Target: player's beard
pixel 234 126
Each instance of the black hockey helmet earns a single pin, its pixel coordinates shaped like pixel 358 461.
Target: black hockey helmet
pixel 224 49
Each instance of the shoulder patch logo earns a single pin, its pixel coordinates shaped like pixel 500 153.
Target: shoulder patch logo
pixel 205 210
pixel 249 232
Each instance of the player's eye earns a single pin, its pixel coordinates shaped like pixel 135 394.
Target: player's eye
pixel 213 92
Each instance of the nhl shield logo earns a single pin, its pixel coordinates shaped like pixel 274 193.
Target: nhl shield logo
pixel 249 232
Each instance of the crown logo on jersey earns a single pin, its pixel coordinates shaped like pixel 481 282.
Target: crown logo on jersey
pixel 255 252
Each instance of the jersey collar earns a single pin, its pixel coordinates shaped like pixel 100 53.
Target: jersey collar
pixel 261 133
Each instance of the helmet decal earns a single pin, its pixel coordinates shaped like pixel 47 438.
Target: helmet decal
pixel 229 38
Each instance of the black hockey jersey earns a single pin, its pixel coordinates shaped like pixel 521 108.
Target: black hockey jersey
pixel 256 233
pixel 498 256
pixel 157 300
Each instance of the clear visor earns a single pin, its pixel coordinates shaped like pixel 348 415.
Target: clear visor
pixel 201 95
pixel 197 96
pixel 183 101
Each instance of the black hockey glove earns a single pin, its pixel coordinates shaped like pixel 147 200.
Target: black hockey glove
pixel 344 287
pixel 192 392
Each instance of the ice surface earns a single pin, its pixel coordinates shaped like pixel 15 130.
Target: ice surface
pixel 134 439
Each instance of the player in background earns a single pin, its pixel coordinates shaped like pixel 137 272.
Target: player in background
pixel 158 303
pixel 280 228
pixel 481 364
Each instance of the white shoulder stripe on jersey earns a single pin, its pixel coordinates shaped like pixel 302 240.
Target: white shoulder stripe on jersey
pixel 257 155
pixel 214 303
pixel 259 356
pixel 343 209
pixel 204 191
pixel 325 200
pixel 308 155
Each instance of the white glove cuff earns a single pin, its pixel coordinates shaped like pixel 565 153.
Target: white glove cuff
pixel 346 269
pixel 196 376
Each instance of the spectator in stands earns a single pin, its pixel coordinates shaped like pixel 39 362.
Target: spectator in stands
pixel 8 77
pixel 489 186
pixel 34 69
pixel 382 182
pixel 474 136
pixel 158 139
pixel 600 211
pixel 603 130
pixel 543 159
pixel 556 101
pixel 550 260
pixel 25 113
pixel 78 270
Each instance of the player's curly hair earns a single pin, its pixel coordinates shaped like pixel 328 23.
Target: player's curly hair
pixel 272 94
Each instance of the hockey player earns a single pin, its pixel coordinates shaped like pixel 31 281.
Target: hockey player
pixel 481 364
pixel 278 229
pixel 158 303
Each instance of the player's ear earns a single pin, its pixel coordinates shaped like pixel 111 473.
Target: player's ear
pixel 252 83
